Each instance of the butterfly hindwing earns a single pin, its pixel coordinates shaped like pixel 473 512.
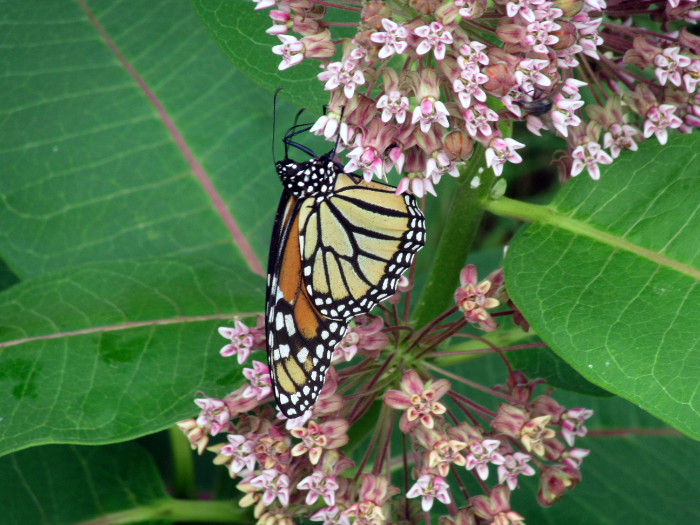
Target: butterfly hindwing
pixel 356 244
pixel 300 340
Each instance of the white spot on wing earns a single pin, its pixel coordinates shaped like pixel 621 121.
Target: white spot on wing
pixel 302 355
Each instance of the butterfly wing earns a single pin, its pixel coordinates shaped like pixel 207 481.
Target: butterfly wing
pixel 300 341
pixel 356 244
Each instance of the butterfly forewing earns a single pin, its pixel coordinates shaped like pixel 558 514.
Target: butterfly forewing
pixel 338 248
pixel 357 241
pixel 300 340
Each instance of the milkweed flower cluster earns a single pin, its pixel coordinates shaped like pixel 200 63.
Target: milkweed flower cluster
pixel 424 81
pixel 292 470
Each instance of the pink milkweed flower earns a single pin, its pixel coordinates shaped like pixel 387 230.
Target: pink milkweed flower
pixel 474 299
pixel 430 488
pixel 291 49
pixel 481 454
pixel 393 37
pixel 667 65
pixel 419 185
pixel 197 435
pixel 496 507
pixel 241 450
pixel 260 384
pixel 243 339
pixel 343 74
pixel 443 453
pixel 393 105
pixel 514 465
pixel 589 156
pixel 366 337
pixel 530 72
pixel 331 516
pixel 538 35
pixel 659 119
pixel 429 111
pixel 419 400
pixel 564 113
pixel 523 8
pixel 468 85
pixel 618 138
pixel 478 118
pixel 567 59
pixel 439 164
pixel 574 457
pixel 319 485
pixel 554 481
pixel 317 438
pixel 500 151
pixel 691 76
pixel 281 22
pixel 547 11
pixel 572 424
pixel 275 485
pixel 214 412
pixel 374 492
pixel 535 432
pixel 589 39
pixel 367 154
pixel 471 55
pixel 433 36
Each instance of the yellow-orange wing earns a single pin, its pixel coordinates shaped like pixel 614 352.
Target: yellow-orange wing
pixel 300 341
pixel 355 244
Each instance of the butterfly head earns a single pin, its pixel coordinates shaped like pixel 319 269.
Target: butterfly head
pixel 305 179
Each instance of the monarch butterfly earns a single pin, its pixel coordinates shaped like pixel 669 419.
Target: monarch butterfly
pixel 339 245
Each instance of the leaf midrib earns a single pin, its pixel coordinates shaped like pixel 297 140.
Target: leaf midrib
pixel 124 326
pixel 550 216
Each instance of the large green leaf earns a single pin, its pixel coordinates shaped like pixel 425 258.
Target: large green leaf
pixel 607 276
pixel 108 352
pixel 89 169
pixel 69 484
pixel 632 479
pixel 239 30
pixel 62 485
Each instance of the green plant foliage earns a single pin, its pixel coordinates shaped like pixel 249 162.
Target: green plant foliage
pixel 608 278
pixel 69 484
pixel 542 362
pixel 91 173
pixel 113 351
pixel 240 33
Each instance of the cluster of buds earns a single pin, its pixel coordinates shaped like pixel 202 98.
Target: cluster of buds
pixel 296 469
pixel 422 81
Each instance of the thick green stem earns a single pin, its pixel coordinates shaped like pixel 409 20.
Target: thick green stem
pixel 177 511
pixel 456 240
pixel 183 465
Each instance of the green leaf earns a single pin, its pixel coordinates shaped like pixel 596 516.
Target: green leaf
pixel 542 362
pixel 69 484
pixel 607 276
pixel 239 31
pixel 91 169
pixel 98 485
pixel 630 479
pixel 111 351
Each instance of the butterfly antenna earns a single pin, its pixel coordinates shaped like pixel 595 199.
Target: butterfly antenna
pixel 274 115
pixel 340 126
pixel 286 135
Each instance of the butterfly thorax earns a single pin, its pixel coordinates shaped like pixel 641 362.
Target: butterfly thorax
pixel 311 178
